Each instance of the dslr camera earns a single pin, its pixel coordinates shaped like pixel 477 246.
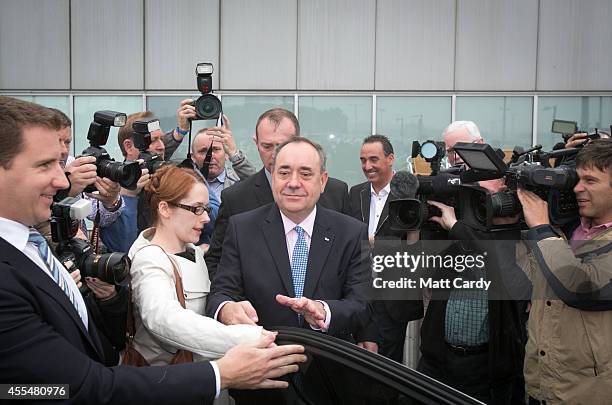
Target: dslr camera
pixel 207 106
pixel 113 268
pixel 142 140
pixel 124 173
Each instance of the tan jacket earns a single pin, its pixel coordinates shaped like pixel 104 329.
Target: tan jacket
pixel 568 357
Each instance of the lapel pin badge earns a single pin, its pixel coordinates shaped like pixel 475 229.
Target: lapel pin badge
pixel 326 239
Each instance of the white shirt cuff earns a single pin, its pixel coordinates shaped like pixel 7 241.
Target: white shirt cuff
pixel 219 309
pixel 327 317
pixel 217 378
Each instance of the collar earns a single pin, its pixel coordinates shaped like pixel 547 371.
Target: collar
pixel 383 192
pixel 14 233
pixel 221 177
pixel 586 225
pixel 307 224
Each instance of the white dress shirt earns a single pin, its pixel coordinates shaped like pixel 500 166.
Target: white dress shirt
pixel 17 235
pixel 377 203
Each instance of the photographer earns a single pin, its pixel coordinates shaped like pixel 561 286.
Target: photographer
pixel 568 354
pixel 120 235
pixel 220 174
pixel 106 302
pixel 47 335
pixel 469 340
pixel 81 172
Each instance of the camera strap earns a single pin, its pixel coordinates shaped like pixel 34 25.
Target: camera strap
pixel 95 232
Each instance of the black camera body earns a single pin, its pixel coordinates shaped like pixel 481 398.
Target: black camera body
pixel 408 207
pixel 124 173
pixel 142 140
pixel 207 106
pixel 113 268
pixel 529 170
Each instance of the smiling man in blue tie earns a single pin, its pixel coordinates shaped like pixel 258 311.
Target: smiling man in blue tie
pixel 293 262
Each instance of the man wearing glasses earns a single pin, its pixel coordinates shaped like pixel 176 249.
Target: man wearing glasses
pixel 460 131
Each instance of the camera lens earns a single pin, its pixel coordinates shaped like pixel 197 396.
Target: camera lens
pixel 126 174
pixel 208 107
pixel 112 268
pixel 505 204
pixel 406 214
pixel 479 207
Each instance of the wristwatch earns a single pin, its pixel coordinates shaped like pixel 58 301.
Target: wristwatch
pixel 237 158
pixel 115 206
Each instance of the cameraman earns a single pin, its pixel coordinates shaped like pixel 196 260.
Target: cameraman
pixel 121 234
pixel 47 336
pixel 81 172
pixel 107 302
pixel 569 354
pixel 469 340
pixel 221 175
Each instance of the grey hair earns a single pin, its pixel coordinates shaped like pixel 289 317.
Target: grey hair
pixel 300 139
pixel 469 126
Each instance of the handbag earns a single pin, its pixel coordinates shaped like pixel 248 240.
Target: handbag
pixel 131 356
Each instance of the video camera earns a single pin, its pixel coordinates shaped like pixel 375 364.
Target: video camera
pixel 529 169
pixel 124 173
pixel 142 140
pixel 408 209
pixel 113 268
pixel 207 106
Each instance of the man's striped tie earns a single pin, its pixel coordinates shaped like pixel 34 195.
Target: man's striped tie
pixel 53 264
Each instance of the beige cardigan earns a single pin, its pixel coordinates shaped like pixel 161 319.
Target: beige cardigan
pixel 162 325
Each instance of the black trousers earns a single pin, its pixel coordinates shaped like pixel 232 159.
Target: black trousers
pixel 468 374
pixel 391 333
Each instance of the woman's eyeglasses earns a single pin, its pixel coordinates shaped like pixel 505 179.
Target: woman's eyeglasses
pixel 198 209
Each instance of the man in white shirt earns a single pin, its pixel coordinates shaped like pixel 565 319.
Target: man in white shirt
pixel 369 204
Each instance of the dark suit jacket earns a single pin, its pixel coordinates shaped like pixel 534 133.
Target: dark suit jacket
pixel 255 267
pixel 255 192
pixel 360 197
pixel 43 340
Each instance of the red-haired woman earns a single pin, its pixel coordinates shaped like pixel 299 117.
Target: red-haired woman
pixel 179 210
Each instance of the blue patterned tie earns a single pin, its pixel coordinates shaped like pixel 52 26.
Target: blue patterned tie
pixel 299 261
pixel 62 278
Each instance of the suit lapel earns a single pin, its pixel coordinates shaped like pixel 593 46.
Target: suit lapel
pixel 263 192
pixel 383 216
pixel 321 243
pixel 42 281
pixel 274 235
pixel 364 196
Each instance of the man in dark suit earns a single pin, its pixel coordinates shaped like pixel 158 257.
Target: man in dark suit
pixel 46 333
pixel 273 128
pixel 293 262
pixel 370 204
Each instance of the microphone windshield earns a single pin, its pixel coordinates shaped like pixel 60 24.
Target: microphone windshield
pixel 404 185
